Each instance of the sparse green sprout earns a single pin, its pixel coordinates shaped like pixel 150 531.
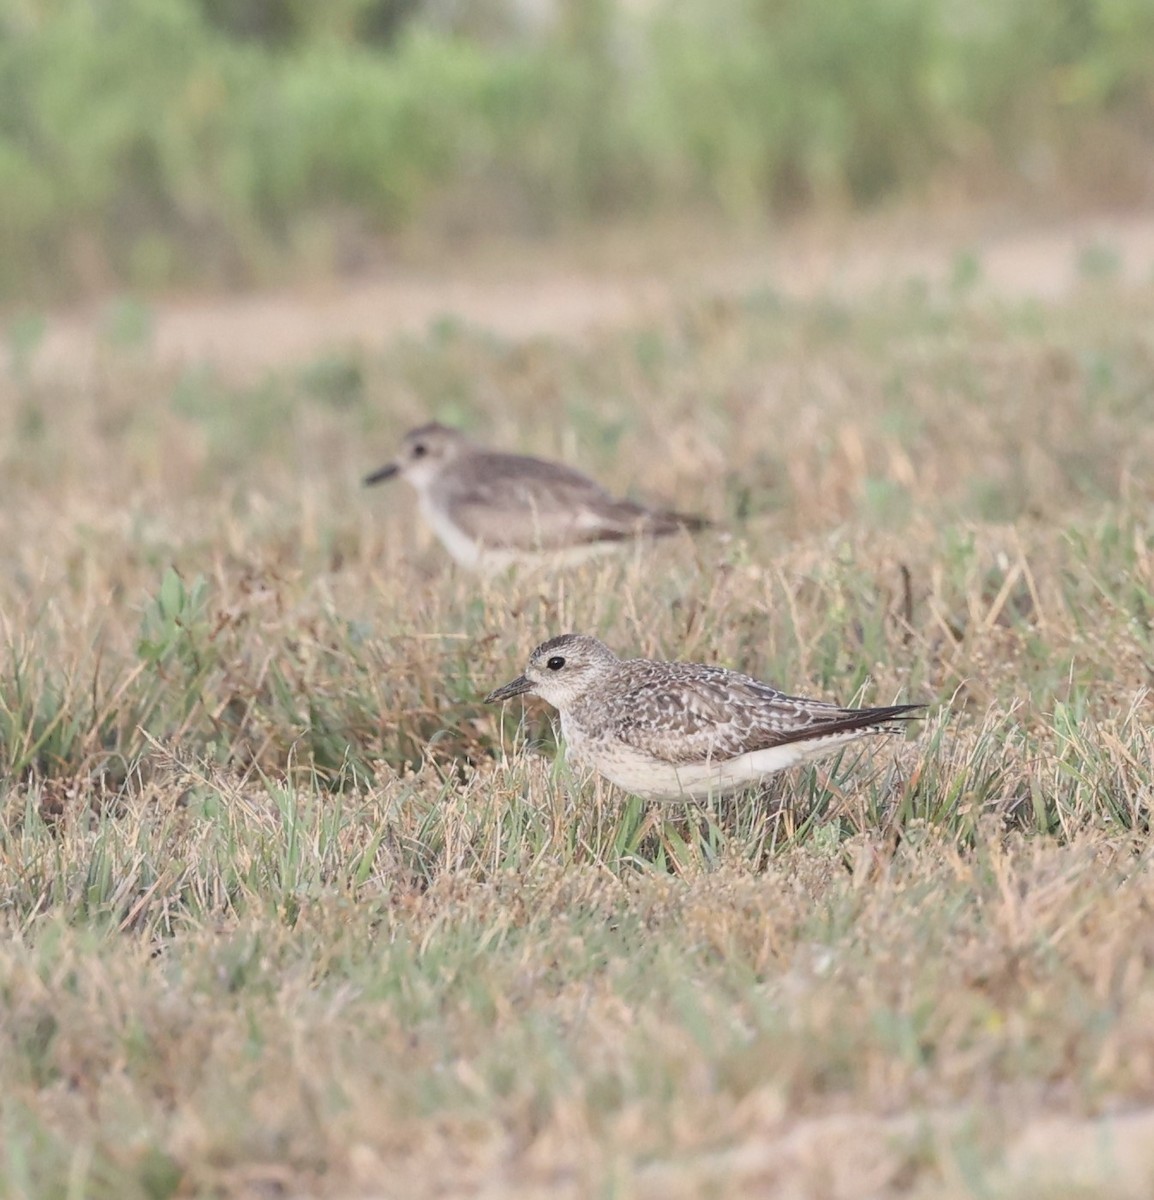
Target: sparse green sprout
pixel 336 379
pixel 24 334
pixel 174 624
pixel 127 324
pixel 965 272
pixel 1099 261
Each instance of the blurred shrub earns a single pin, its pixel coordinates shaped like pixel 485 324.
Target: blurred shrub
pixel 150 140
pixel 286 22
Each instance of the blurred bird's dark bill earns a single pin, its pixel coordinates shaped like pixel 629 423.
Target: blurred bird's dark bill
pixel 386 472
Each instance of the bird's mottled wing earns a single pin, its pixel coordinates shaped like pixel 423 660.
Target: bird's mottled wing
pixel 516 502
pixel 697 715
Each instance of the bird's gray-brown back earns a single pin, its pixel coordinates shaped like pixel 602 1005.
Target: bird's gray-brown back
pixel 512 500
pixel 492 509
pixel 689 712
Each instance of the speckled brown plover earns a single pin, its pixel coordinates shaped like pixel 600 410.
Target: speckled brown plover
pixel 670 730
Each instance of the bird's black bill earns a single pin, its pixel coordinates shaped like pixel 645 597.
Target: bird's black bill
pixel 386 472
pixel 517 687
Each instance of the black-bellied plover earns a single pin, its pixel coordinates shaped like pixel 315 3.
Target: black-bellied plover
pixel 491 510
pixel 669 730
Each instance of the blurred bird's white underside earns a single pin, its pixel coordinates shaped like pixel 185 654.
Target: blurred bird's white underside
pixel 472 553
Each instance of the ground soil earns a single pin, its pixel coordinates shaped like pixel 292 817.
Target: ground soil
pixel 519 291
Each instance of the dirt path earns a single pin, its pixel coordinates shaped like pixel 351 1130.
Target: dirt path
pixel 245 335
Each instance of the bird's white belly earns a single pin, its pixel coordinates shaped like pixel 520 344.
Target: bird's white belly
pixel 463 548
pixel 476 556
pixel 654 779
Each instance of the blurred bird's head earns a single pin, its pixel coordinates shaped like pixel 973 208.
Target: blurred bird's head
pixel 424 453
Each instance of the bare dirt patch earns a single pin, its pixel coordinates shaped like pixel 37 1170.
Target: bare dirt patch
pixel 520 293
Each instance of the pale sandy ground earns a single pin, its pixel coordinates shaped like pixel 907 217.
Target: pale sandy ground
pixel 516 292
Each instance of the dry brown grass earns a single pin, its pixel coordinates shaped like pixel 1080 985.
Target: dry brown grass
pixel 291 912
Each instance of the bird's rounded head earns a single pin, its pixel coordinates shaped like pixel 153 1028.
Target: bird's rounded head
pixel 561 670
pixel 424 453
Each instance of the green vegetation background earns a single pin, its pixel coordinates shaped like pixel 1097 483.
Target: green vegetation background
pixel 151 142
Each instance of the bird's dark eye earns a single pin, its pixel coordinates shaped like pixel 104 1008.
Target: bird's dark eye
pixel 420 450
pixel 555 663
